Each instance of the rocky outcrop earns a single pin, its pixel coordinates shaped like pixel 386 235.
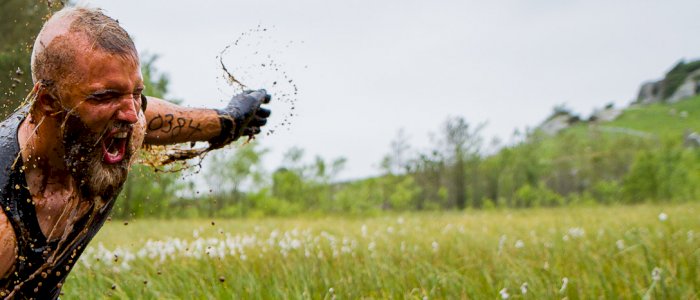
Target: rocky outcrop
pixel 557 123
pixel 691 139
pixel 606 114
pixel 650 92
pixel 681 82
pixel 689 88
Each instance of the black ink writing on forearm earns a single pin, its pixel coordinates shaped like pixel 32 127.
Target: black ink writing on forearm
pixel 169 121
pixel 194 128
pixel 155 123
pixel 172 125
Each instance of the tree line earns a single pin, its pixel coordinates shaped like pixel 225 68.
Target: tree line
pixel 577 167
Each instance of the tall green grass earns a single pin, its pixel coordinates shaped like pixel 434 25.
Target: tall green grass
pixel 600 252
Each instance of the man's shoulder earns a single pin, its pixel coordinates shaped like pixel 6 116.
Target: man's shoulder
pixel 16 117
pixel 9 126
pixel 9 144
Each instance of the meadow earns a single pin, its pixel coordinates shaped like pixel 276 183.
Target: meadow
pixel 645 251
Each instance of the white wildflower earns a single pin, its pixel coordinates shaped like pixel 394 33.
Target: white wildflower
pixel 564 284
pixel 446 229
pixel 620 244
pixel 663 217
pixel 436 246
pixel 576 232
pixel 364 230
pixel 656 274
pixel 372 245
pixel 501 243
pixel 519 244
pixel 523 288
pixel 504 293
pixel 399 220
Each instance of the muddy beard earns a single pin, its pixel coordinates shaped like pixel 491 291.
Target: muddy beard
pixel 84 159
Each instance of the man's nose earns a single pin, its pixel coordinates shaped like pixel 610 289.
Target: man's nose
pixel 127 110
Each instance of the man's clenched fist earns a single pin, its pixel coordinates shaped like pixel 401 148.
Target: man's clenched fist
pixel 243 116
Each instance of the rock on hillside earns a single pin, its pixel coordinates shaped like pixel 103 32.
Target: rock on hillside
pixel 681 82
pixel 558 122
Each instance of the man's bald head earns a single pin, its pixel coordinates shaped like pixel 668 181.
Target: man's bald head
pixel 70 32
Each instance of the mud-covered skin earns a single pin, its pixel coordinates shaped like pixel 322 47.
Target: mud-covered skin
pixel 40 266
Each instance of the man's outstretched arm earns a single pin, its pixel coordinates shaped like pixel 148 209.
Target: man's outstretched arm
pixel 168 123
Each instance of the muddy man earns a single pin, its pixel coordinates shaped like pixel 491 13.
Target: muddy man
pixel 65 155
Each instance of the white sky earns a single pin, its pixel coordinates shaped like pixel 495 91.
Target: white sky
pixel 367 68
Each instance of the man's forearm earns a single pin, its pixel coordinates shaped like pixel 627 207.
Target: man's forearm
pixel 168 123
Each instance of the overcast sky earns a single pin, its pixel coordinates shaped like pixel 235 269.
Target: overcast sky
pixel 364 68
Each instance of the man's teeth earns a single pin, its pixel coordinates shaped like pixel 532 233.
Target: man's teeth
pixel 121 135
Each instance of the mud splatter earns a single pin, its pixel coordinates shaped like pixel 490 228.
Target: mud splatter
pixel 231 79
pixel 256 57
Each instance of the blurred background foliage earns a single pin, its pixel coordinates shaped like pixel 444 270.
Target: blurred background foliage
pixel 20 21
pixel 586 164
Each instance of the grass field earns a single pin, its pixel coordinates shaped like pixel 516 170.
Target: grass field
pixel 577 253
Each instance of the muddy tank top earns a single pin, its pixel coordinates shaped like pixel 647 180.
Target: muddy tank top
pixel 41 266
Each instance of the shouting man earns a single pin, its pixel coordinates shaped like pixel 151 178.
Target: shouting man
pixel 65 155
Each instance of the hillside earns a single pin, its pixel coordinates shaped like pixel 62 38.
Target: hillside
pixel 657 120
pixel 663 120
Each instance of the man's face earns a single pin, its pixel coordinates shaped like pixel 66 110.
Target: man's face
pixel 104 126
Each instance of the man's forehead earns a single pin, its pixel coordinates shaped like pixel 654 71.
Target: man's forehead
pixel 57 26
pixel 99 70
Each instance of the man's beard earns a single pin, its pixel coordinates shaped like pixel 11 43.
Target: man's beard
pixel 84 159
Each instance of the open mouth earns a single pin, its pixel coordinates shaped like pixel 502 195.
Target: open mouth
pixel 114 146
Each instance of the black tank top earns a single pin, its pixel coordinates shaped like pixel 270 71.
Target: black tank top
pixel 41 266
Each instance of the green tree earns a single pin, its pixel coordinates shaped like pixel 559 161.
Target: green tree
pixel 462 145
pixel 20 22
pixel 228 173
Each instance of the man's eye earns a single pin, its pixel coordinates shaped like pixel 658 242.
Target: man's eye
pixel 103 97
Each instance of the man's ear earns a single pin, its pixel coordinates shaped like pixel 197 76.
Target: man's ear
pixel 47 103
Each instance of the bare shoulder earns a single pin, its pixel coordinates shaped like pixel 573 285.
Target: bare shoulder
pixel 8 246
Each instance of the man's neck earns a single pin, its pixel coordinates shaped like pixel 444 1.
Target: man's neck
pixel 41 146
pixel 49 181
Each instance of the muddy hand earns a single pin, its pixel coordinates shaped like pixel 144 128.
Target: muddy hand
pixel 243 116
